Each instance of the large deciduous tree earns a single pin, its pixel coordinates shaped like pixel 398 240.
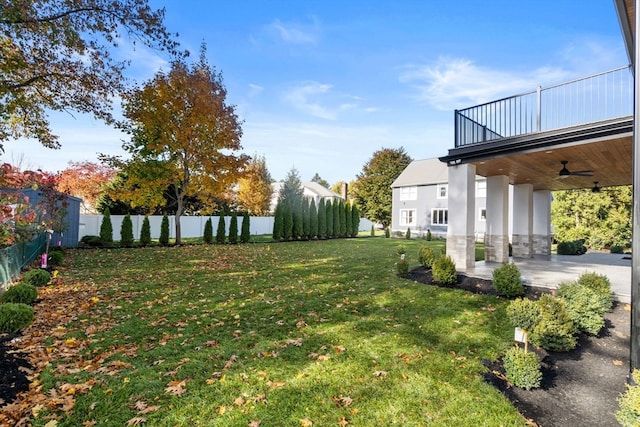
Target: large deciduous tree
pixel 254 187
pixel 184 136
pixel 57 55
pixel 373 185
pixel 87 181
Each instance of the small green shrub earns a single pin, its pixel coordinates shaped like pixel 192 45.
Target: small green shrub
pixel 106 228
pixel 373 231
pixel 507 280
pixel 523 313
pixel 584 306
pixel 601 285
pixel 15 316
pixel 91 240
pixel 522 368
pixel 56 249
pixel 426 256
pixel 408 233
pixel 233 229
pixel 20 293
pixel 628 414
pixel 387 232
pixel 36 277
pixel 126 232
pixel 616 249
pixel 220 231
pixel 164 231
pixel 566 248
pixel 444 271
pixel 145 232
pixel 429 236
pixel 55 258
pixel 401 249
pixel 245 229
pixel 402 266
pixel 555 330
pixel 208 232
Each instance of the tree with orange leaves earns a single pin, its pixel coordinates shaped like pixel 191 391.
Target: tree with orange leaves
pixel 85 180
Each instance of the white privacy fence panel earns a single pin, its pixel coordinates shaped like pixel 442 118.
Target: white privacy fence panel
pixel 192 226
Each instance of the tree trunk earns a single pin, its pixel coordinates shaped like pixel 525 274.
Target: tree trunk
pixel 179 209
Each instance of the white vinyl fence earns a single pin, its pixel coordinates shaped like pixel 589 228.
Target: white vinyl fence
pixel 192 226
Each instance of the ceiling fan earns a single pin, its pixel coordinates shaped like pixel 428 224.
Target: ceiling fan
pixel 564 172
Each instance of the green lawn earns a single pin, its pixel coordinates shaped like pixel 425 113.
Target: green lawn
pixel 281 334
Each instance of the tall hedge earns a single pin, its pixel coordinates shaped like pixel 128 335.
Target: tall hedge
pixel 220 232
pixel 208 232
pixel 278 223
pixel 329 214
pixel 106 228
pixel 164 231
pixel 233 229
pixel 145 232
pixel 245 233
pixel 336 219
pixel 322 220
pixel 313 220
pixel 355 220
pixel 126 232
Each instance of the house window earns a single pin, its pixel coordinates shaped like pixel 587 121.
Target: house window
pixel 409 193
pixel 483 214
pixel 407 216
pixel 442 191
pixel 439 216
pixel 481 189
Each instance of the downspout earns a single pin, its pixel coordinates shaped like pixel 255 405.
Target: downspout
pixel 634 357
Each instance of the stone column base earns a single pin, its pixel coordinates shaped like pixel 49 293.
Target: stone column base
pixel 462 250
pixel 521 245
pixel 496 248
pixel 541 244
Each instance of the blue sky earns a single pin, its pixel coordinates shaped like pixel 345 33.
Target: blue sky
pixel 322 85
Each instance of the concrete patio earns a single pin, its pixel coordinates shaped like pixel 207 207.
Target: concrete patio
pixel 551 270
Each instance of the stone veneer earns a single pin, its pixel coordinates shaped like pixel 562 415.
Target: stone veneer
pixel 462 250
pixel 521 246
pixel 496 248
pixel 541 244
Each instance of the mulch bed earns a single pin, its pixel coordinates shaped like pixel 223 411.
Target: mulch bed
pixel 13 370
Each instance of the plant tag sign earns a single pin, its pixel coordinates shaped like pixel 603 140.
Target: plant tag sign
pixel 519 336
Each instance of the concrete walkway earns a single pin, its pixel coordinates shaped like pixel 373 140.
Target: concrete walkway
pixel 551 270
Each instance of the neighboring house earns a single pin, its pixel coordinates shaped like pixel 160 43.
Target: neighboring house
pixel 420 199
pixel 311 190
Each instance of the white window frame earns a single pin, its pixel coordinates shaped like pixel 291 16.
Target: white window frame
pixel 481 188
pixel 482 215
pixel 409 193
pixel 440 188
pixel 440 216
pixel 407 214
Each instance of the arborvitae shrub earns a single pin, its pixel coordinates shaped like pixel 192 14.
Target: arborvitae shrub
pixel 387 232
pixel 322 220
pixel 306 220
pixel 164 231
pixel 313 220
pixel 336 219
pixel 36 277
pixel 233 229
pixel 106 228
pixel 373 231
pixel 245 233
pixel 55 258
pixel 429 236
pixel 221 230
pixel 126 232
pixel 15 316
pixel 408 233
pixel 278 223
pixel 444 271
pixel 522 368
pixel 342 210
pixel 145 232
pixel 507 280
pixel 329 214
pixel 555 329
pixel 298 219
pixel 426 256
pixel 287 211
pixel 355 221
pixel 402 266
pixel 207 235
pixel 348 220
pixel 628 414
pixel 584 306
pixel 20 293
pixel 601 285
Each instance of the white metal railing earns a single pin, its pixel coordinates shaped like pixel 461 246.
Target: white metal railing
pixel 596 98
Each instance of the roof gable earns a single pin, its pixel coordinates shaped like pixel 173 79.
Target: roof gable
pixel 423 172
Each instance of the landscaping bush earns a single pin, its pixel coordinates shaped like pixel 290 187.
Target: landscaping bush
pixel 574 247
pixel 555 329
pixel 584 306
pixel 628 414
pixel 444 271
pixel 145 232
pixel 426 256
pixel 507 280
pixel 616 249
pixel 601 285
pixel 233 229
pixel 208 232
pixel 126 232
pixel 401 249
pixel 164 231
pixel 387 232
pixel 522 368
pixel 245 230
pixel 524 313
pixel 91 240
pixel 20 293
pixel 372 232
pixel 429 236
pixel 402 266
pixel 106 228
pixel 15 316
pixel 220 231
pixel 408 233
pixel 55 258
pixel 36 277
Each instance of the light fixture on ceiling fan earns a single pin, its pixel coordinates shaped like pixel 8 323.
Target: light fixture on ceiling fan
pixel 564 172
pixel 595 188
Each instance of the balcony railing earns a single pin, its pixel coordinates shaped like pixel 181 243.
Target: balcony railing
pixel 596 98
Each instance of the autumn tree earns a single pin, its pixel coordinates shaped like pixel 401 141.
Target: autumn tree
pixel 57 55
pixel 184 136
pixel 87 181
pixel 373 184
pixel 254 187
pixel 291 187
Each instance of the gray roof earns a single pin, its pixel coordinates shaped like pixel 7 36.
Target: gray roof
pixel 319 189
pixel 423 172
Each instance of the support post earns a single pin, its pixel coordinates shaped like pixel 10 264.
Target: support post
pixel 634 358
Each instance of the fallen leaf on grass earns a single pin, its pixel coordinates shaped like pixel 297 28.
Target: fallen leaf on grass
pixel 381 374
pixel 255 423
pixel 343 422
pixel 275 384
pixel 136 421
pixel 239 401
pixel 342 401
pixel 176 387
pixel 306 422
pixel 89 423
pixel 340 349
pixel 221 410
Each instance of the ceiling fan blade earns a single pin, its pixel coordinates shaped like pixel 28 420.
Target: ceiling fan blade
pixel 582 173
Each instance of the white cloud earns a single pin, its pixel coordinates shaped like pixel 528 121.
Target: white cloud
pixel 452 83
pixel 302 98
pixel 255 90
pixel 296 33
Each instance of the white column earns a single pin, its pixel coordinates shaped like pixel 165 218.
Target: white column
pixel 496 245
pixel 522 236
pixel 461 245
pixel 542 222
